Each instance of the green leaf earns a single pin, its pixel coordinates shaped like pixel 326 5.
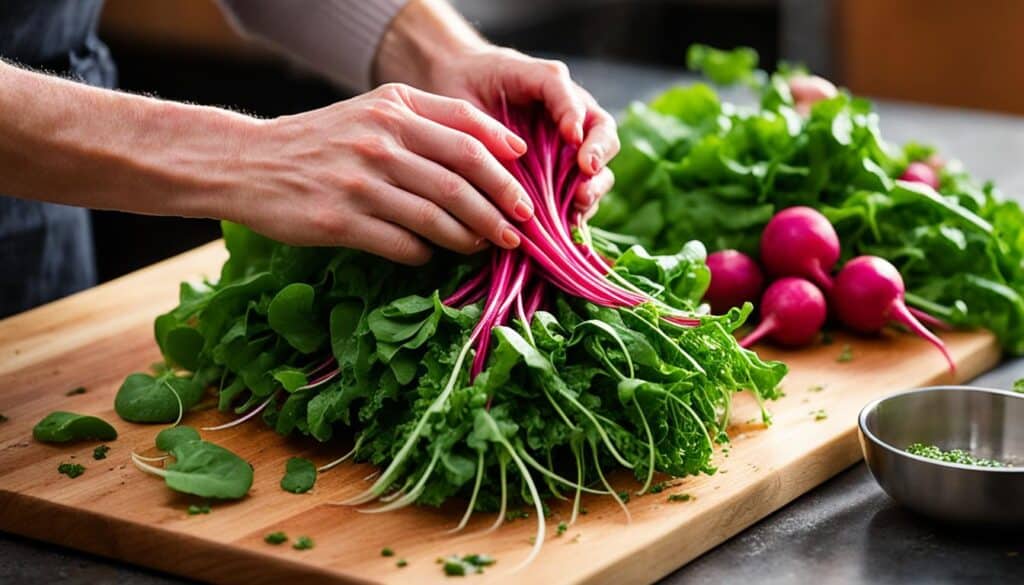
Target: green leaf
pixel 299 475
pixel 169 438
pixel 145 399
pixel 291 314
pixel 722 67
pixel 64 427
pixel 207 470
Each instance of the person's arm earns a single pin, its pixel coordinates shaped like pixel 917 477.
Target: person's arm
pixel 373 172
pixel 335 38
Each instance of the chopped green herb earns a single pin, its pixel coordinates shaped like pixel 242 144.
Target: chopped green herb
pixel 62 427
pixel 454 566
pixel 816 388
pixel 516 515
pixel 679 497
pixel 299 475
pixel 1018 386
pixel 846 355
pixel 303 543
pixel 562 527
pixel 100 452
pixel 275 538
pixel 401 563
pixel 387 552
pixel 194 510
pixel 952 456
pixel 79 390
pixel 819 414
pixel 71 470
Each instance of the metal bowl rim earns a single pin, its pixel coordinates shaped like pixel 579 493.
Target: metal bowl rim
pixel 862 424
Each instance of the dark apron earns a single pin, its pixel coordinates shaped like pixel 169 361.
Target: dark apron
pixel 46 249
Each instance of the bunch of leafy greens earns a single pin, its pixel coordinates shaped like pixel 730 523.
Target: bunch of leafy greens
pixel 328 342
pixel 695 168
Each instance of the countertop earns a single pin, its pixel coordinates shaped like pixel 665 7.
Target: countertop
pixel 846 530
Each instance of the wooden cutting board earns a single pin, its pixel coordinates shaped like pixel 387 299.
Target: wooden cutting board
pixel 95 338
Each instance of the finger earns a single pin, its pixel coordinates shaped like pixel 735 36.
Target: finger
pixel 549 82
pixel 468 157
pixel 389 241
pixel 423 217
pixel 426 178
pixel 465 117
pixel 591 190
pixel 602 140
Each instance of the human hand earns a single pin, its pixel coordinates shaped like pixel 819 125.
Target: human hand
pixel 378 170
pixel 484 73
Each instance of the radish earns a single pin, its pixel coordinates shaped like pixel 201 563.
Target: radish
pixel 735 279
pixel 792 312
pixel 808 90
pixel 800 241
pixel 919 172
pixel 868 294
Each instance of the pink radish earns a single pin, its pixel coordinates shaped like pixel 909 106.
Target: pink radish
pixel 735 279
pixel 868 294
pixel 792 312
pixel 919 172
pixel 800 241
pixel 808 90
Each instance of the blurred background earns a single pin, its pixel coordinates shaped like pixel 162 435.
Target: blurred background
pixel 962 53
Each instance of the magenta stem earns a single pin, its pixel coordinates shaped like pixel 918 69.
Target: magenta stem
pixel 898 312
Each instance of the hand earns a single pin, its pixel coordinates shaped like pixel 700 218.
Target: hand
pixel 483 74
pixel 376 171
pixel 430 46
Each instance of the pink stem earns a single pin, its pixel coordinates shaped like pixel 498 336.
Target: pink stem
pixel 930 320
pixel 899 313
pixel 766 326
pixel 244 418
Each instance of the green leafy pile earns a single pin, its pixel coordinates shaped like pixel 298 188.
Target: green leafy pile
pixel 693 167
pixel 336 343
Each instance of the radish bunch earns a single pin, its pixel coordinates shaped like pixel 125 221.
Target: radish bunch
pixel 799 249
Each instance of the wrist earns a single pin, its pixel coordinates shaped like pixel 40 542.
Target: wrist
pixel 424 36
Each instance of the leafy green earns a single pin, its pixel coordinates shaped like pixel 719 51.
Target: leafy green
pixel 299 475
pixel 456 566
pixel 276 538
pixel 146 399
pixel 303 543
pixel 62 427
pixel 100 452
pixel 71 470
pixel 694 168
pixel 387 552
pixel 170 437
pixel 336 343
pixel 196 509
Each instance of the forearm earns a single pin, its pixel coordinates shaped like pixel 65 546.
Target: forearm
pixel 425 33
pixel 68 143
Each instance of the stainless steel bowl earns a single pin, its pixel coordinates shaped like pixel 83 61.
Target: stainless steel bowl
pixel 984 422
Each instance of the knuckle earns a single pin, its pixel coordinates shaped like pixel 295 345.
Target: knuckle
pixel 354 184
pixel 510 190
pixel 557 68
pixel 374 147
pixel 333 225
pixel 471 150
pixel 464 109
pixel 449 189
pixel 427 213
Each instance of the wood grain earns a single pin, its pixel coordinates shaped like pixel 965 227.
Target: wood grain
pixel 95 338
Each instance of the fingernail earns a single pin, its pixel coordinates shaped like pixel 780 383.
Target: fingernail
pixel 523 210
pixel 517 144
pixel 577 133
pixel 510 237
pixel 595 163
